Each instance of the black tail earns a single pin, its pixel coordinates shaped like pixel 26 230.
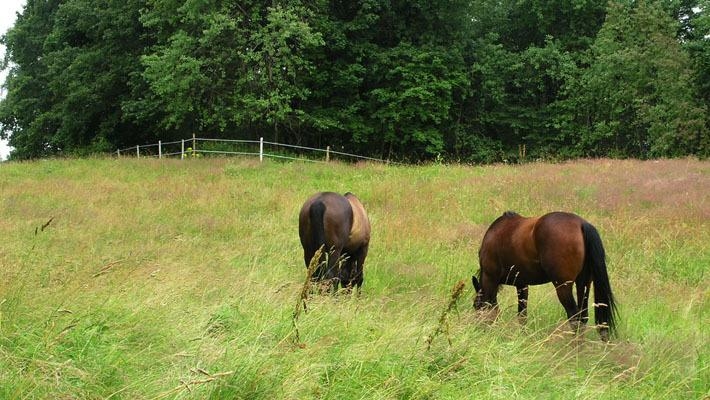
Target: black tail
pixel 317 225
pixel 605 311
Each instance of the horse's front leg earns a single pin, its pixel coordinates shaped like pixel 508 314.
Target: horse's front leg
pixel 357 273
pixel 487 297
pixel 346 273
pixel 522 304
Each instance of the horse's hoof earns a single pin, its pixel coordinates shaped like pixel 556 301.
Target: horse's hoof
pixel 604 334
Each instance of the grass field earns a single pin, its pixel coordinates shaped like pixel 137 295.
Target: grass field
pixel 151 279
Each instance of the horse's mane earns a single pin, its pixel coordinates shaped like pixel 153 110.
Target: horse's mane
pixel 507 214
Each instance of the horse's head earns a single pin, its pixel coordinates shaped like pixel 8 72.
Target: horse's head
pixel 478 302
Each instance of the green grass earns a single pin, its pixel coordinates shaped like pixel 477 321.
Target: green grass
pixel 177 279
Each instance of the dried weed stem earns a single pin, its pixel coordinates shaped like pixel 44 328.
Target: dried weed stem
pixel 455 295
pixel 303 295
pixel 185 385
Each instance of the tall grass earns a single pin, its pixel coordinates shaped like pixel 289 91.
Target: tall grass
pixel 177 279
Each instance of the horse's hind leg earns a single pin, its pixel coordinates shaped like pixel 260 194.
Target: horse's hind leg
pixel 308 258
pixel 330 274
pixel 564 294
pixel 522 303
pixel 583 300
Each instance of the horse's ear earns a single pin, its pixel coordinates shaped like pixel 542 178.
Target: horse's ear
pixel 475 283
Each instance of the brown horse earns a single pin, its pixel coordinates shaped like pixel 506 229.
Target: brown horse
pixel 341 224
pixel 559 247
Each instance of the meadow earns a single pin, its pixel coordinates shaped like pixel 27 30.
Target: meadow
pixel 168 279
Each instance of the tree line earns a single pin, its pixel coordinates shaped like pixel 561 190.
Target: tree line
pixel 466 80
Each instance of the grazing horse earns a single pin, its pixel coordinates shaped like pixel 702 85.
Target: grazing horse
pixel 559 247
pixel 340 224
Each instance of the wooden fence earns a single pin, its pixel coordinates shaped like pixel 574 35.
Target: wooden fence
pixel 196 147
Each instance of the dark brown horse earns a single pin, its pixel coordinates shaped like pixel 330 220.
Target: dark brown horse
pixel 341 224
pixel 559 247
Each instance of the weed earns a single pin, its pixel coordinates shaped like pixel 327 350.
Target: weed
pixel 303 295
pixel 440 327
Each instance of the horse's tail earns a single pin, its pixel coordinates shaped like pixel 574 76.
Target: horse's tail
pixel 605 311
pixel 316 214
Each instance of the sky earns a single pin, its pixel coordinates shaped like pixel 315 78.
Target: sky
pixel 8 14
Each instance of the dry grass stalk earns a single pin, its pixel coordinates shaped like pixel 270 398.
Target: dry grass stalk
pixel 185 385
pixel 455 295
pixel 107 267
pixel 303 295
pixel 44 226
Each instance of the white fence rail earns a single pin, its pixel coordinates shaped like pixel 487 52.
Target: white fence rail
pixel 190 148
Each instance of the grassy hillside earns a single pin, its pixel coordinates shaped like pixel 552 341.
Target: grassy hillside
pixel 149 279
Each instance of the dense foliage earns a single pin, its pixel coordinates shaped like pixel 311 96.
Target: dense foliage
pixel 478 80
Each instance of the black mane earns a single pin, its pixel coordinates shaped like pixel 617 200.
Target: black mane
pixel 506 215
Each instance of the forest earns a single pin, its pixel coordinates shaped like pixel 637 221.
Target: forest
pixel 461 80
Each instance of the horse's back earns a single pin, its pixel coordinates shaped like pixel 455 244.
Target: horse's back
pixel 560 244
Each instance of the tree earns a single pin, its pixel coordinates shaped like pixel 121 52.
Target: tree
pixel 189 72
pixel 276 60
pixel 526 55
pixel 72 63
pixel 23 118
pixel 390 75
pixel 697 42
pixel 637 98
pixel 218 66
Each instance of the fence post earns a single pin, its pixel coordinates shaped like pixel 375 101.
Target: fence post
pixel 118 152
pixel 182 150
pixel 261 149
pixel 138 152
pixel 194 145
pixel 160 149
pixel 327 154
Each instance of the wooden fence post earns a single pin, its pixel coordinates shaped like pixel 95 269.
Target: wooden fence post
pixel 261 149
pixel 327 154
pixel 138 152
pixel 182 150
pixel 160 149
pixel 194 145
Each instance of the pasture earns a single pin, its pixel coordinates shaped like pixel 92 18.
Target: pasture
pixel 151 279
